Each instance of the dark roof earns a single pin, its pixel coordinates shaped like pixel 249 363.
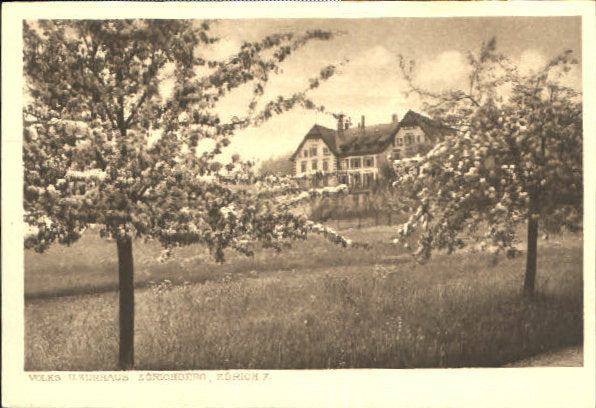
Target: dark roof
pixel 375 138
pixel 431 128
pixel 319 132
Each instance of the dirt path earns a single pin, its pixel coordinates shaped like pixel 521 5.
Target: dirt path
pixel 567 357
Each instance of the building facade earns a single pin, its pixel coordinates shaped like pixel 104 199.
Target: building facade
pixel 358 156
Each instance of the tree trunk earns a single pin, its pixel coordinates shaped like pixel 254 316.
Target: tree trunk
pixel 126 303
pixel 531 257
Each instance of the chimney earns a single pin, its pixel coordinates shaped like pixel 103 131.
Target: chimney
pixel 394 118
pixel 362 123
pixel 340 122
pixel 339 136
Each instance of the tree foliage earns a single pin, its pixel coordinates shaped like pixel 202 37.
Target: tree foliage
pixel 281 165
pixel 517 158
pixel 103 146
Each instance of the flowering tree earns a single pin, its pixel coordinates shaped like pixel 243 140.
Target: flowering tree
pixel 103 146
pixel 517 158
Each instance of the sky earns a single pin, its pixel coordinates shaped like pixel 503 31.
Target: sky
pixel 369 81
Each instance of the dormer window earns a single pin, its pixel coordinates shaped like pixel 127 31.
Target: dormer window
pixel 313 151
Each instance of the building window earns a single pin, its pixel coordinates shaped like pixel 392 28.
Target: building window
pixel 396 154
pixel 409 138
pixel 325 165
pixel 314 164
pixel 356 179
pixel 400 141
pixel 369 162
pixel 368 179
pixel 305 152
pixel 346 164
pixel 303 167
pixel 325 151
pixel 418 138
pixel 355 163
pixel 343 179
pixel 313 151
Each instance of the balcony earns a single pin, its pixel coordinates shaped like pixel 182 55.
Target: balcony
pixel 357 180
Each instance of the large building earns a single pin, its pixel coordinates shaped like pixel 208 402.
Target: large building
pixel 357 156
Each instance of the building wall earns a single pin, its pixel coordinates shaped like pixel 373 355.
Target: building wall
pixel 359 169
pixel 406 141
pixel 318 147
pixel 383 158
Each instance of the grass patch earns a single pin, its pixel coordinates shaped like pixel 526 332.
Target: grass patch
pixel 455 311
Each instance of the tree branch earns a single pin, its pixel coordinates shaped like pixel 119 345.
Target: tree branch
pixel 133 111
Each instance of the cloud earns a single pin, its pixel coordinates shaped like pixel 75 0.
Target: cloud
pixel 369 84
pixel 446 71
pixel 281 134
pixel 378 56
pixel 530 61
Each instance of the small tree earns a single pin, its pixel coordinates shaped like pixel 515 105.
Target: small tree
pixel 281 166
pixel 102 145
pixel 516 159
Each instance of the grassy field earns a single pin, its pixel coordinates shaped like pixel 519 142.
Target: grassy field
pixel 90 265
pixel 314 306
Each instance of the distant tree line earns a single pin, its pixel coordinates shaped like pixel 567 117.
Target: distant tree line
pixel 280 165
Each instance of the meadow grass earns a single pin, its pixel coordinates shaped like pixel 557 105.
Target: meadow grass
pixel 455 311
pixel 91 266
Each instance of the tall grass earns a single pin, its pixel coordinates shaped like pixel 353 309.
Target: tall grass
pixel 456 311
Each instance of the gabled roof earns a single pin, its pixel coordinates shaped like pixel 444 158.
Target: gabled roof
pixel 432 129
pixel 319 132
pixel 375 138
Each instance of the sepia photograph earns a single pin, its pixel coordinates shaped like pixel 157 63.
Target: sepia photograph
pixel 204 198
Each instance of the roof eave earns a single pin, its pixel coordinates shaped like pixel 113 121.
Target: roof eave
pixel 310 135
